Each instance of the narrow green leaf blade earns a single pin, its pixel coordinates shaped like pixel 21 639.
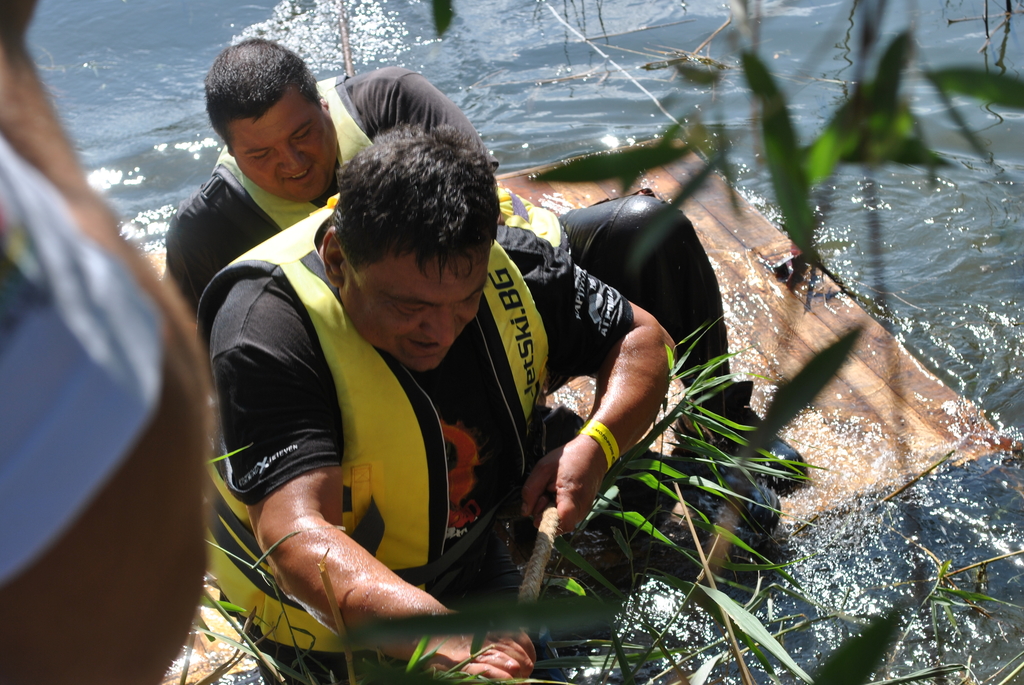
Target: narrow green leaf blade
pixel 990 88
pixel 824 153
pixel 642 524
pixel 799 392
pixel 620 656
pixel 569 584
pixel 929 675
pixel 650 481
pixel 573 556
pixel 857 658
pixel 494 615
pixel 443 14
pixel 625 165
pixel 417 653
pixel 229 454
pixel 885 95
pixel 749 624
pixel 969 596
pixel 784 155
pixel 700 676
pixel 659 227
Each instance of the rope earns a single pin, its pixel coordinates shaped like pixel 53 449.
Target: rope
pixel 533 574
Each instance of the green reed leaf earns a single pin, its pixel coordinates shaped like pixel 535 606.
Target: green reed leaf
pixel 854 661
pixel 750 625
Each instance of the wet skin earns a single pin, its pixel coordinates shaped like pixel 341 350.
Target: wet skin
pixel 413 314
pixel 290 151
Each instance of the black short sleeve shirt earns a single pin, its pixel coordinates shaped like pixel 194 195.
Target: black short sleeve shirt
pixel 278 402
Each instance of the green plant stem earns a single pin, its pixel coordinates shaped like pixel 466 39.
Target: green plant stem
pixel 986 561
pixel 733 643
pixel 339 623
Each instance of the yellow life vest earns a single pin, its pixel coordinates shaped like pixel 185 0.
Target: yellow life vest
pixel 394 463
pixel 351 140
pixel 521 213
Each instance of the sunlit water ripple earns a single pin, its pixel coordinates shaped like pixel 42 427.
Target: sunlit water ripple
pixel 127 77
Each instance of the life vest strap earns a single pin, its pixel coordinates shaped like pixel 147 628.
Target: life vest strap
pixel 419 575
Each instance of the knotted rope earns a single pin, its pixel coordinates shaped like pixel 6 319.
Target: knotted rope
pixel 533 574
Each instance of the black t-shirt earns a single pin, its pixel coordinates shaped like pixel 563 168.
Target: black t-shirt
pixel 220 221
pixel 276 392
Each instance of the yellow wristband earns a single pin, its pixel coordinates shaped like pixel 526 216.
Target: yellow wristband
pixel 600 433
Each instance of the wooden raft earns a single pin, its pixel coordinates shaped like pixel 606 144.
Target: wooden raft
pixel 882 420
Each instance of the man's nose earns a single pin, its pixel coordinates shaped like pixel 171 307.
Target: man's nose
pixel 442 326
pixel 293 159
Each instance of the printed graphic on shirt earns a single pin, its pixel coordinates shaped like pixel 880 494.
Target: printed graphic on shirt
pixel 463 454
pixel 512 301
pixel 602 304
pixel 263 464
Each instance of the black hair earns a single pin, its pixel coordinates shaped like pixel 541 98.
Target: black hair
pixel 429 193
pixel 249 78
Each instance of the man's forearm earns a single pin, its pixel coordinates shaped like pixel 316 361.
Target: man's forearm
pixel 631 386
pixel 364 587
pixel 633 380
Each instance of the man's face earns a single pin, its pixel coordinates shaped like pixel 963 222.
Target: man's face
pixel 396 307
pixel 290 151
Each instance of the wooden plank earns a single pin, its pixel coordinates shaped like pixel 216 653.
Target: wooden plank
pixel 884 418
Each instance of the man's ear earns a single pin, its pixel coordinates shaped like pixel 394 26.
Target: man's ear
pixel 333 258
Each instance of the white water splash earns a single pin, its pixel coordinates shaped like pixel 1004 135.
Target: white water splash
pixel 312 30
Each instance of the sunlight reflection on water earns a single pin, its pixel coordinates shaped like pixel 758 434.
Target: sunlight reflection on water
pixel 130 87
pixel 377 33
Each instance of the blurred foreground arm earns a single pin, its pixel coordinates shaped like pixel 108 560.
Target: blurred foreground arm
pixel 116 587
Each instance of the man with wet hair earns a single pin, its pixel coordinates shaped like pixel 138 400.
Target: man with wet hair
pixel 285 136
pixel 382 363
pixel 104 418
pixel 284 144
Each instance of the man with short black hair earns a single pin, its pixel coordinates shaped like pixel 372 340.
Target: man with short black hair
pixel 285 137
pixel 383 363
pixel 283 143
pixel 284 140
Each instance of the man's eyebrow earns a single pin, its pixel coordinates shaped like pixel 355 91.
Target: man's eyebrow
pixel 256 150
pixel 412 299
pixel 407 300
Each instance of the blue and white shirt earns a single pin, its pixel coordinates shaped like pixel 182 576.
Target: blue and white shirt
pixel 80 365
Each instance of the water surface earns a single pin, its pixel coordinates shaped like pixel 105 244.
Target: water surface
pixel 127 76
